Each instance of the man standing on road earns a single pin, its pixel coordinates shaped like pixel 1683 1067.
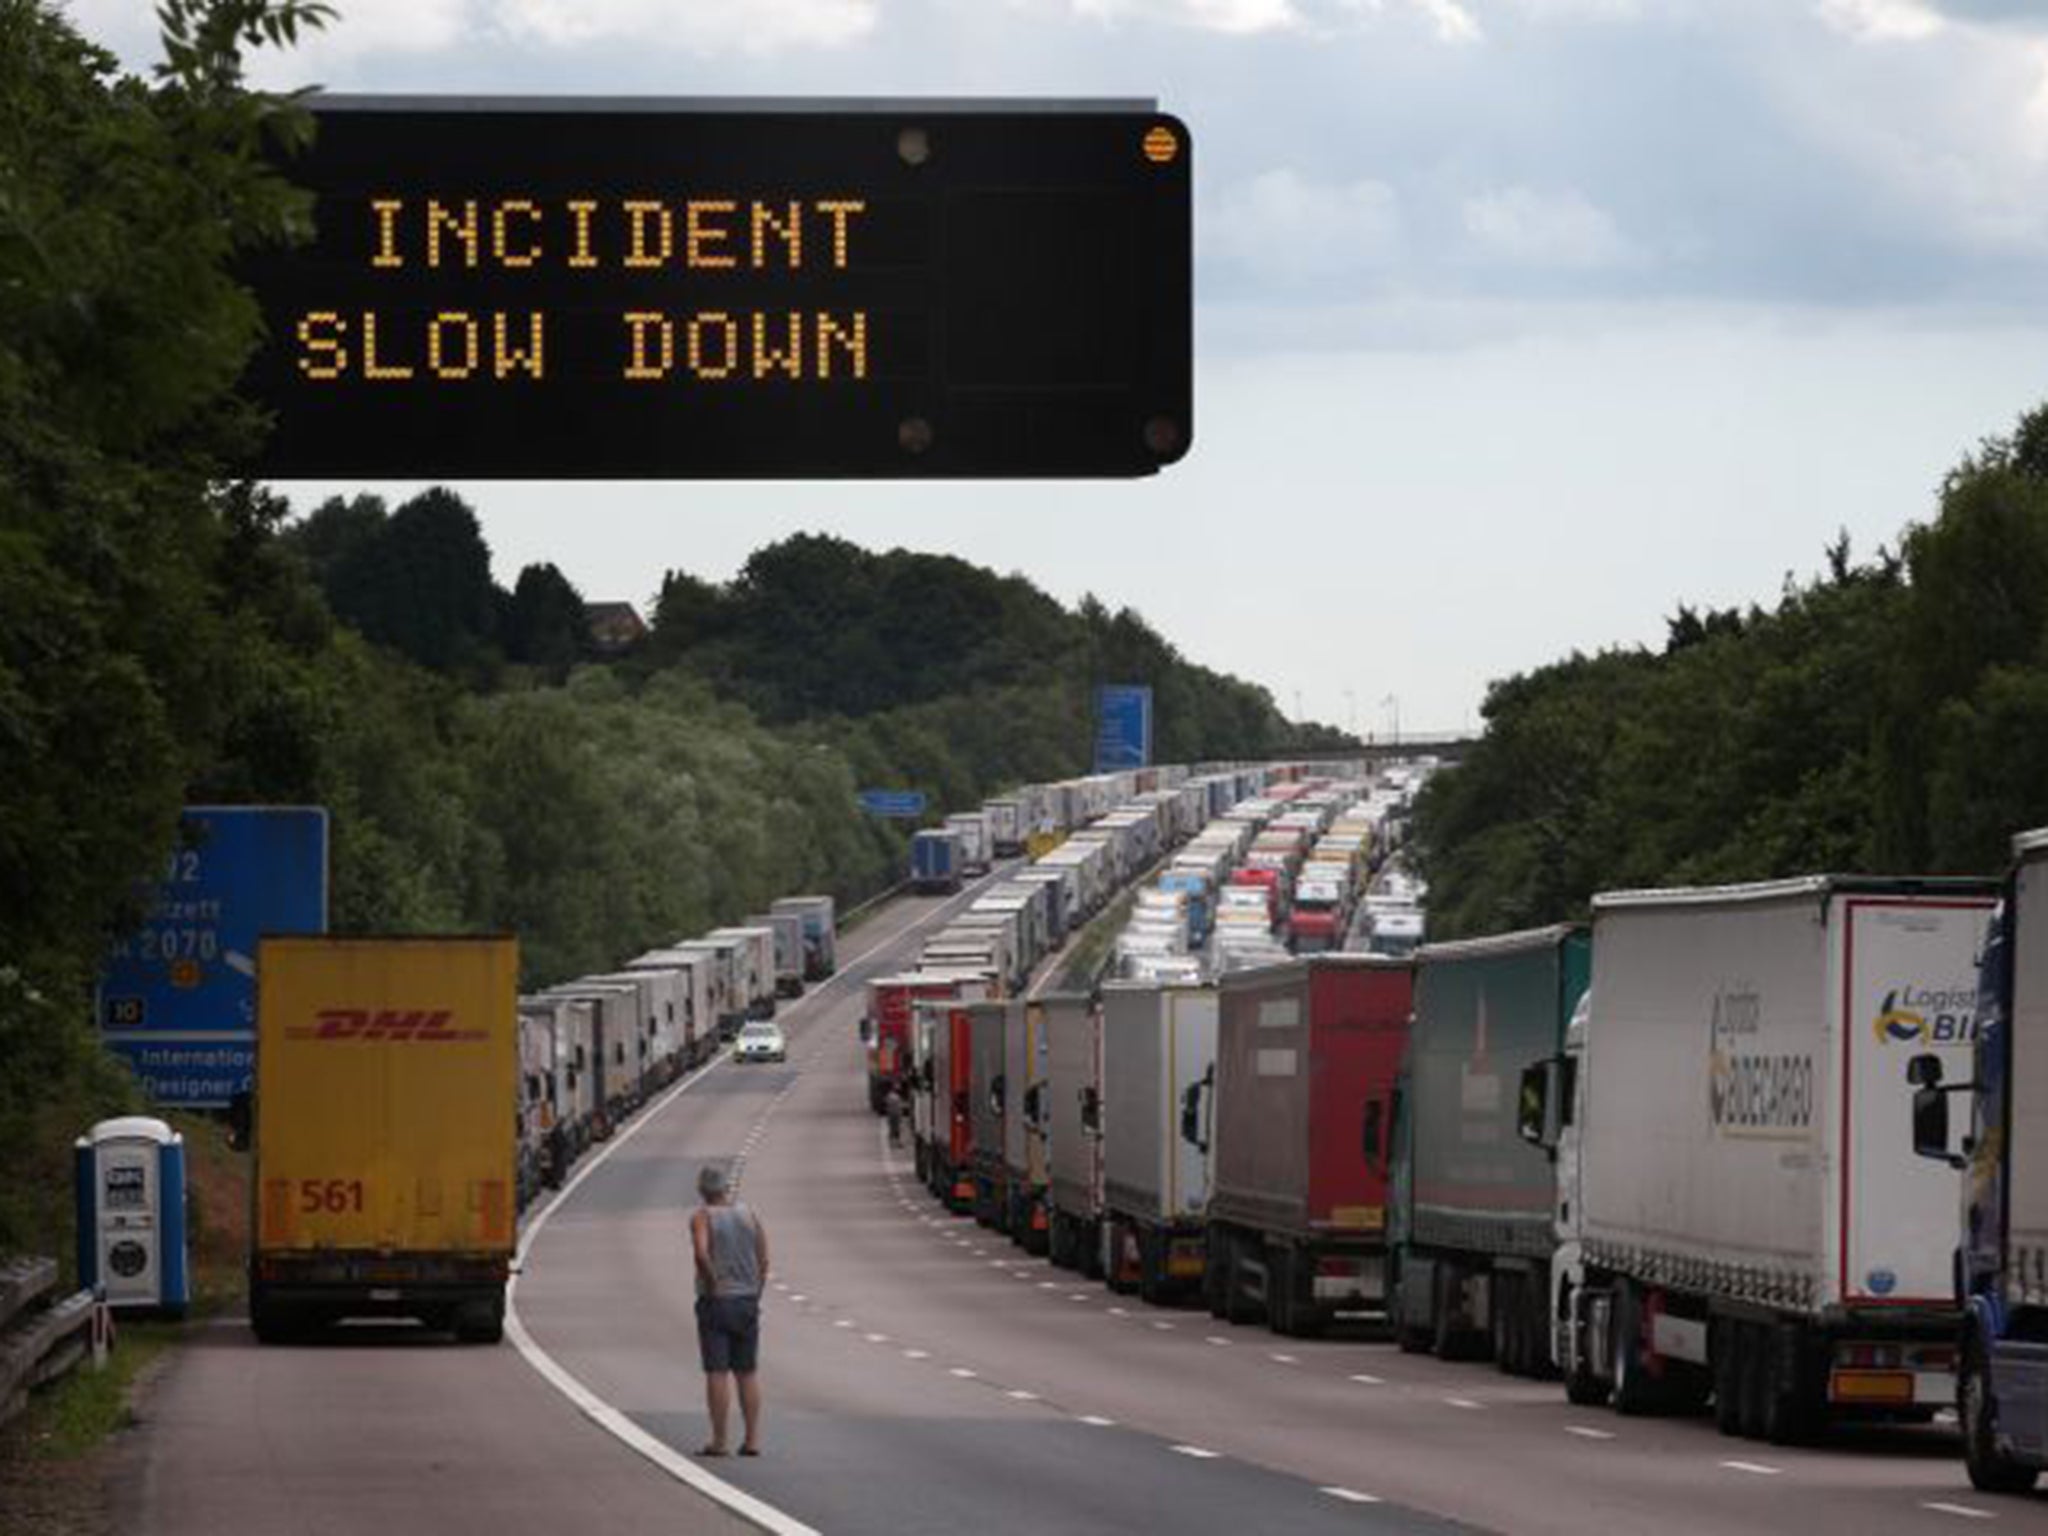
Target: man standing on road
pixel 892 1108
pixel 731 1251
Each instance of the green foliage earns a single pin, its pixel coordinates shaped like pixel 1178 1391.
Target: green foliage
pixel 1890 715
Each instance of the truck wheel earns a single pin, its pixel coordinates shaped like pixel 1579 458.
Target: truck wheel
pixel 1752 1379
pixel 274 1321
pixel 1508 1345
pixel 1216 1274
pixel 1792 1408
pixel 1724 1349
pixel 1283 1306
pixel 1633 1389
pixel 1991 1470
pixel 1408 1338
pixel 481 1320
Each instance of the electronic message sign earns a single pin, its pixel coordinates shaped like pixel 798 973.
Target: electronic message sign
pixel 628 290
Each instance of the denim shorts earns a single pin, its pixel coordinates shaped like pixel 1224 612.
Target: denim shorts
pixel 729 1333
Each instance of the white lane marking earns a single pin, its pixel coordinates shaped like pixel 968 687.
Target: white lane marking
pixel 1021 1395
pixel 1197 1452
pixel 917 1354
pixel 595 1408
pixel 1077 1296
pixel 1588 1432
pixel 843 1322
pixel 1463 1402
pixel 1048 1285
pixel 1754 1468
pixel 1369 1381
pixel 798 1296
pixel 1968 1512
pixel 876 1338
pixel 1164 1327
pixel 1283 1359
pixel 962 1372
pixel 1351 1495
pixel 1213 1339
pixel 1118 1312
pixel 1095 1421
pixel 778 1285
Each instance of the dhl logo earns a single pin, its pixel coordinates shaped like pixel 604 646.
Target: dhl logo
pixel 419 1024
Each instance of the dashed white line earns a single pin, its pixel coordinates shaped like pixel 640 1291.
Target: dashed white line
pixel 1588 1432
pixel 1048 1285
pixel 1118 1312
pixel 1021 1395
pixel 1197 1452
pixel 1213 1339
pixel 1163 1327
pixel 917 1354
pixel 1369 1381
pixel 842 1322
pixel 876 1338
pixel 1095 1421
pixel 1351 1495
pixel 1077 1296
pixel 1754 1468
pixel 1283 1359
pixel 1463 1402
pixel 962 1372
pixel 1967 1511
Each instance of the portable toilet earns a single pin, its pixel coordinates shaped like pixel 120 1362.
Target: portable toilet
pixel 131 1214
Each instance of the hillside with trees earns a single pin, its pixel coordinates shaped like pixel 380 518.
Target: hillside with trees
pixel 169 634
pixel 1888 715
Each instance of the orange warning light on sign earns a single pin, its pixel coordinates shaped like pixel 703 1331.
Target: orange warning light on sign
pixel 1162 144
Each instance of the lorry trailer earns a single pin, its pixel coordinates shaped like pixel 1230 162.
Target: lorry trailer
pixel 383 1133
pixel 820 922
pixel 1158 1094
pixel 1471 1224
pixel 1739 1214
pixel 1073 1064
pixel 1307 1057
pixel 935 860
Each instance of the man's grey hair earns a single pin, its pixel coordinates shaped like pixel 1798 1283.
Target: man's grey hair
pixel 711 1182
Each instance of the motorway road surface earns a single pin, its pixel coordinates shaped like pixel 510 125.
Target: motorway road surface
pixel 923 1375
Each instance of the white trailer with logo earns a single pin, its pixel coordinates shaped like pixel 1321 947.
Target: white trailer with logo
pixel 1740 1215
pixel 1159 1108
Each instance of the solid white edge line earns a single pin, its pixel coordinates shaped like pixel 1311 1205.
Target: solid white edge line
pixel 621 1428
pixel 1968 1512
pixel 664 1456
pixel 1199 1453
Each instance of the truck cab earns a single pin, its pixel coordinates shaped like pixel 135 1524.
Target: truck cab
pixel 2001 1264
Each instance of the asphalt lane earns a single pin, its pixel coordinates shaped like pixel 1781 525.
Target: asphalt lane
pixel 862 1436
pixel 922 1372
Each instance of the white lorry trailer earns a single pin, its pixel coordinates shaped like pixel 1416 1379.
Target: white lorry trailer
pixel 1738 1214
pixel 1159 1105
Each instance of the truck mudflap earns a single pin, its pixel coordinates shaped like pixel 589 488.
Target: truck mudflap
pixel 1350 1280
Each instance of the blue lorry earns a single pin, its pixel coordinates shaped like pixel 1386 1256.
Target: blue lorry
pixel 2001 1259
pixel 936 860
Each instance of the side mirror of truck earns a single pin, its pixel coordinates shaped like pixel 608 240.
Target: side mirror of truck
pixel 867 1031
pixel 240 1120
pixel 1930 1124
pixel 1924 1070
pixel 1091 1110
pixel 998 1093
pixel 1532 1108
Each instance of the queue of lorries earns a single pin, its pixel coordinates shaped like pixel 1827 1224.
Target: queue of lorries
pixel 409 1104
pixel 1663 1156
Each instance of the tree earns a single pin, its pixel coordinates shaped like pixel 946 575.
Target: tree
pixel 543 623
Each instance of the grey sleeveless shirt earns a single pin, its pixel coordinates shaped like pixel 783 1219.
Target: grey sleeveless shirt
pixel 735 1260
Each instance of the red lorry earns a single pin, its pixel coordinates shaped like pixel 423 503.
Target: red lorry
pixel 886 1031
pixel 1307 1056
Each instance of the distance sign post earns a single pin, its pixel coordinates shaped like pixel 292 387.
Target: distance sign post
pixel 628 290
pixel 178 996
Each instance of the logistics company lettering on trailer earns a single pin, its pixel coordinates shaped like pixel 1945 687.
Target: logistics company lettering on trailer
pixel 621 289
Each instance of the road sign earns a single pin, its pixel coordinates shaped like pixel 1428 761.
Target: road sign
pixel 178 997
pixel 1123 727
pixel 645 290
pixel 906 804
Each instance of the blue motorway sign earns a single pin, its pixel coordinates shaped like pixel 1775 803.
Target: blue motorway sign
pixel 178 997
pixel 907 804
pixel 1123 726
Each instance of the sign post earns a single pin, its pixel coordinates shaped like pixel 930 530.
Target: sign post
pixel 574 289
pixel 899 804
pixel 1123 727
pixel 178 997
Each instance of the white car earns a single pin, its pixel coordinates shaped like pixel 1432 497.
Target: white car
pixel 761 1042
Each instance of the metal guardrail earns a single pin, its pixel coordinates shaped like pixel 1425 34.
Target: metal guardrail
pixel 42 1336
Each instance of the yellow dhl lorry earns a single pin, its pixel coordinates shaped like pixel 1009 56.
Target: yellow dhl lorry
pixel 384 1130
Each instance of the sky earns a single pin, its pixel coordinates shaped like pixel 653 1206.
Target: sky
pixel 1518 322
